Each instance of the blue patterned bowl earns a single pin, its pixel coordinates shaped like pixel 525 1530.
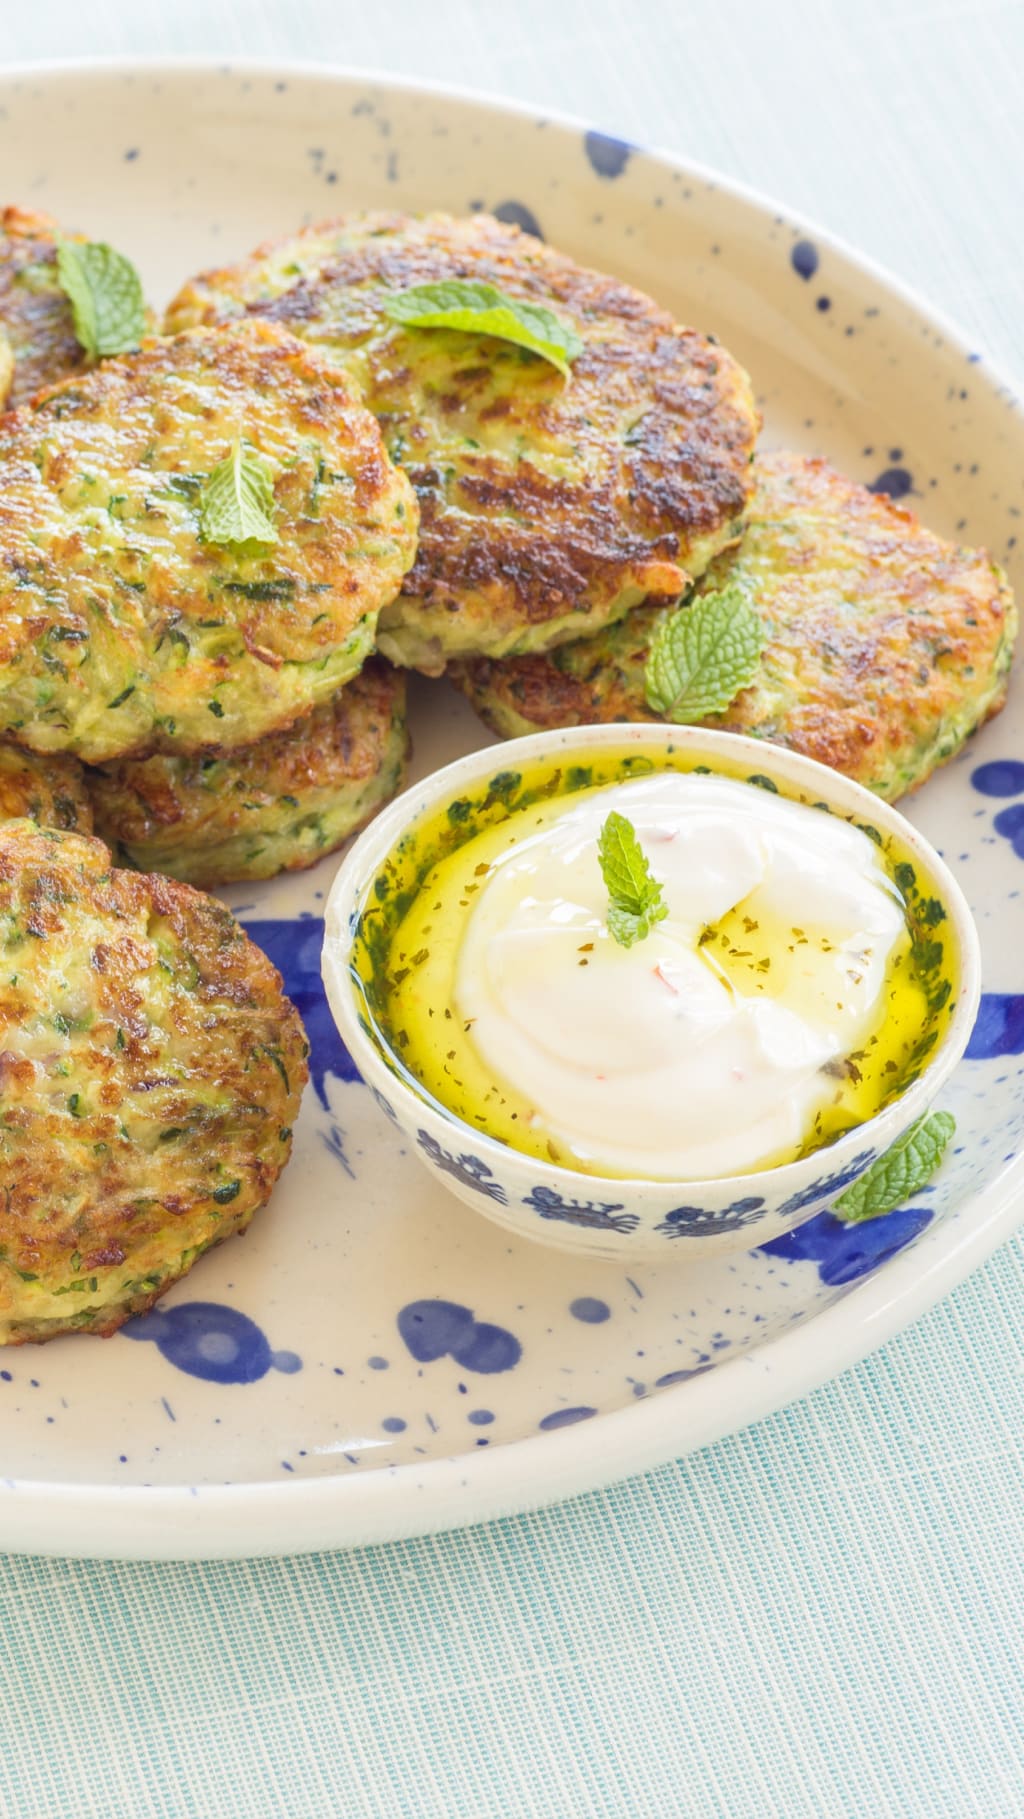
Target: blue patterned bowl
pixel 608 1216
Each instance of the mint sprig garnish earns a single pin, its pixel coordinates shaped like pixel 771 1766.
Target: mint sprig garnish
pixel 702 655
pixel 482 309
pixel 636 901
pixel 896 1176
pixel 237 501
pixel 103 288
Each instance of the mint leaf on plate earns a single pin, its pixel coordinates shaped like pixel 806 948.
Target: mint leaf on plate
pixel 103 288
pixel 702 655
pixel 636 901
pixel 237 501
pixel 482 309
pixel 896 1176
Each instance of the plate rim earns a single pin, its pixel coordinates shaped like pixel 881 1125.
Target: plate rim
pixel 182 1522
pixel 1011 392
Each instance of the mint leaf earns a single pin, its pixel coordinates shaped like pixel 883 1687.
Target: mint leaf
pixel 636 901
pixel 105 294
pixel 702 655
pixel 626 928
pixel 237 501
pixel 482 309
pixel 896 1176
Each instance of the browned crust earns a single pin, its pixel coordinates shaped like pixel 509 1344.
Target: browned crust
pixel 38 321
pixel 886 644
pixel 180 1027
pixel 889 643
pixel 51 791
pixel 656 427
pixel 337 744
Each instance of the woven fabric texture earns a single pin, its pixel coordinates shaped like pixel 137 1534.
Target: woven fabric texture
pixel 821 1618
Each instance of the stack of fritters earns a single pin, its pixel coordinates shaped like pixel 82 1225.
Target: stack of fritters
pixel 561 521
pixel 548 506
pixel 274 806
pixel 544 507
pixel 151 1065
pixel 228 709
pixel 558 521
pixel 885 646
pixel 124 633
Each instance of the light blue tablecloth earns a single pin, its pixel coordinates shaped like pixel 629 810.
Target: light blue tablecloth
pixel 823 1617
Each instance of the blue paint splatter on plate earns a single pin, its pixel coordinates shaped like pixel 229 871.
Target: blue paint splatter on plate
pixel 438 1329
pixel 205 1339
pixel 670 1377
pixel 1001 777
pixel 804 259
pixel 516 214
pixel 295 948
pixel 608 156
pixel 998 1028
pixel 894 482
pixel 842 1251
pixel 565 1417
pixel 589 1309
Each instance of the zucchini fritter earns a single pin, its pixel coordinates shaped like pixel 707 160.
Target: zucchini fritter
pixel 151 1070
pixel 121 631
pixel 275 806
pixel 50 791
pixel 34 312
pixel 549 506
pixel 885 645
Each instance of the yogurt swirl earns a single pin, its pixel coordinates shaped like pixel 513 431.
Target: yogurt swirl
pixel 710 1047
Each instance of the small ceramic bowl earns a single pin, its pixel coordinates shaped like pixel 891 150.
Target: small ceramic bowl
pixel 603 1215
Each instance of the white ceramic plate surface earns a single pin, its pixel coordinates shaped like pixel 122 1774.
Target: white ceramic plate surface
pixel 372 1360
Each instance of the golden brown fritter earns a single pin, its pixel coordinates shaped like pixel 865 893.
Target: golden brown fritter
pixel 549 506
pixel 275 806
pixel 151 1071
pixel 50 791
pixel 885 646
pixel 121 630
pixel 34 312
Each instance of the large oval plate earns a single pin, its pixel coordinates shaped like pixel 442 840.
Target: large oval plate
pixel 373 1361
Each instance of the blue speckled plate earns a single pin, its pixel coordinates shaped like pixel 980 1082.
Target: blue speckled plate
pixel 372 1360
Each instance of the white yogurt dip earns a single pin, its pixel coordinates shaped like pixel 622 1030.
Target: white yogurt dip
pixel 710 1047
